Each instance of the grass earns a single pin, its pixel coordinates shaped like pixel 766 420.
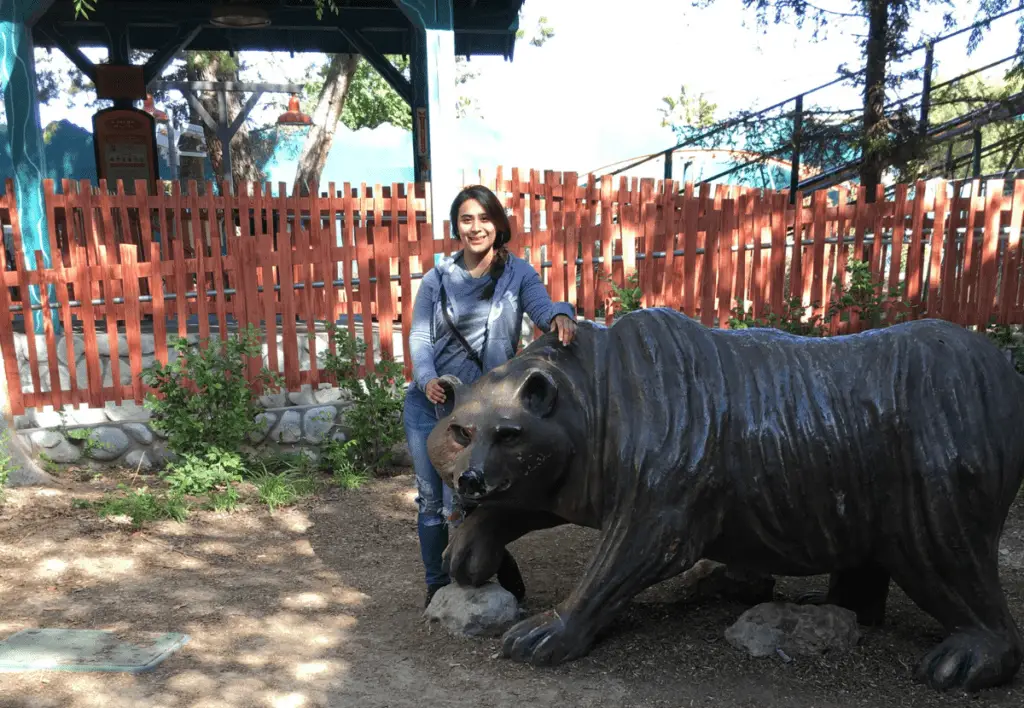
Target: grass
pixel 5 461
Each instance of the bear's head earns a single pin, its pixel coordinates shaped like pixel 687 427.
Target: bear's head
pixel 509 437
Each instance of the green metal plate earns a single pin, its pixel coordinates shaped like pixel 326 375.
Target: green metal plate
pixel 86 650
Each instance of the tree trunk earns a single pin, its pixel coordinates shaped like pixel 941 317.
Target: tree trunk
pixel 243 161
pixel 873 137
pixel 325 121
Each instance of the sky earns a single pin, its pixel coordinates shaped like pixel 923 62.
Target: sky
pixel 590 96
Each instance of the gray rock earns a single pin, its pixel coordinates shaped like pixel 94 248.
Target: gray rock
pixel 65 453
pixel 21 345
pixel 302 398
pixel 328 395
pixel 264 424
pixel 274 400
pixel 62 348
pixel 46 439
pixel 485 611
pixel 140 460
pixel 86 416
pixel 289 430
pixel 795 630
pixel 148 342
pixel 81 376
pixel 400 455
pixel 128 410
pixel 318 423
pixel 103 344
pixel 48 419
pixel 107 444
pixel 126 371
pixel 140 432
pixel 160 455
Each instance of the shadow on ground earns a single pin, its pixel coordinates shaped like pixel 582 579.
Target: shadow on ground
pixel 320 605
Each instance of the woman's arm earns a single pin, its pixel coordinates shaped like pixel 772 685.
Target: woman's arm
pixel 421 344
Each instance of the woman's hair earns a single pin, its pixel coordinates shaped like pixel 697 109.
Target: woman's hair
pixel 502 230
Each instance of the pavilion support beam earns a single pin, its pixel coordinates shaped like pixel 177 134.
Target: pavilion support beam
pixel 24 131
pixel 156 64
pixel 401 85
pixel 433 111
pixel 68 48
pixel 225 130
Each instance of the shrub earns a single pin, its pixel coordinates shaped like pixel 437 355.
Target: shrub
pixel 629 297
pixel 375 418
pixel 5 461
pixel 864 295
pixel 205 400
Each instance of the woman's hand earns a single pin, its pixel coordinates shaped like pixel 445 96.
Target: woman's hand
pixel 434 392
pixel 566 329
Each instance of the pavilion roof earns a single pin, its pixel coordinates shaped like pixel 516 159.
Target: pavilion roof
pixel 482 27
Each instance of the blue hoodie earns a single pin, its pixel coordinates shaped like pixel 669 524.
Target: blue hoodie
pixel 436 351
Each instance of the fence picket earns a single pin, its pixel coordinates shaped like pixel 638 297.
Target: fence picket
pixel 124 255
pixel 1012 261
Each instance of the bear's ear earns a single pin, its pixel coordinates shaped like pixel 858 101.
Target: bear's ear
pixel 538 393
pixel 452 387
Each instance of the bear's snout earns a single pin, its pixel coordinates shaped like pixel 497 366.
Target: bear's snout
pixel 471 482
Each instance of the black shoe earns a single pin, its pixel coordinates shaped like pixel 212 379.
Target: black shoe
pixel 431 590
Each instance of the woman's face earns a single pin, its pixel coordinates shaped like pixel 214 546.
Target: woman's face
pixel 476 230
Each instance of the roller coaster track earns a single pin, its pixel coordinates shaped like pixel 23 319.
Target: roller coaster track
pixel 993 112
pixel 927 136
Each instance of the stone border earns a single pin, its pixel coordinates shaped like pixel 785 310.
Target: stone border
pixel 135 444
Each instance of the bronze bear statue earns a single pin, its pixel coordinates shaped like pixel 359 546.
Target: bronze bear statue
pixel 889 454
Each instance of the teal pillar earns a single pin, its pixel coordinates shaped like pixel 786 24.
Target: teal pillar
pixel 432 67
pixel 21 103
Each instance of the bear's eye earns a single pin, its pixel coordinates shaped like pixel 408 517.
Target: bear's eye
pixel 507 433
pixel 461 435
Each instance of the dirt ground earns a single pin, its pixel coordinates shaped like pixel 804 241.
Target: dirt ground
pixel 320 605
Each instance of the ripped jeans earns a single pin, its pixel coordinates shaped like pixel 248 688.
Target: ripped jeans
pixel 434 499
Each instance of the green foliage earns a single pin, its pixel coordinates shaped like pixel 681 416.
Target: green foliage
pixel 687 114
pixel 791 319
pixel 375 418
pixel 541 34
pixel 864 296
pixel 205 400
pixel 1011 340
pixel 201 473
pixel 224 500
pixel 964 96
pixel 371 101
pixel 626 298
pixel 282 488
pixel 141 505
pixel 5 461
pixel 338 458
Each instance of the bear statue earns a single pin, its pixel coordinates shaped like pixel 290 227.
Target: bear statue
pixel 891 454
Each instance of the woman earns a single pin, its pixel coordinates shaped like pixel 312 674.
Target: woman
pixel 466 321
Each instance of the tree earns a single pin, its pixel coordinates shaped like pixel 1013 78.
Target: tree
pixel 685 114
pixel 956 99
pixel 886 24
pixel 325 117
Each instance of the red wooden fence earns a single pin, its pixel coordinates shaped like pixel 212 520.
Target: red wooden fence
pixel 128 262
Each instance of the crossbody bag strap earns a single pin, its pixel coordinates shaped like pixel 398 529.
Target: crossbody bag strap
pixel 473 356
